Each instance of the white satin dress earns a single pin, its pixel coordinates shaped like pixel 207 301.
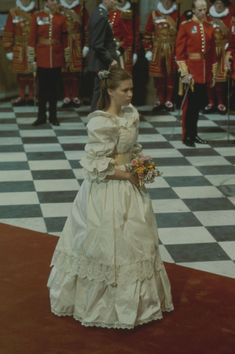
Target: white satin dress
pixel 106 268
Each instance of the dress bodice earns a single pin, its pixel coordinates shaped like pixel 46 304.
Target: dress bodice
pixel 108 136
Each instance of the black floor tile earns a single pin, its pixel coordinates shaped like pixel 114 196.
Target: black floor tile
pixel 198 252
pixel 20 211
pixel 53 174
pixel 11 148
pixel 40 140
pixel 222 233
pixel 9 133
pixel 50 155
pixel 57 196
pixel 217 170
pixel 55 224
pixel 162 193
pixel 189 181
pixel 17 186
pixel 186 219
pixel 14 165
pixel 202 204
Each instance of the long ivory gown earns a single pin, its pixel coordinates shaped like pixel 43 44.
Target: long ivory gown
pixel 106 268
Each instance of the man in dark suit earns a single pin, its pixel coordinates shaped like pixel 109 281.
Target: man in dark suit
pixel 102 53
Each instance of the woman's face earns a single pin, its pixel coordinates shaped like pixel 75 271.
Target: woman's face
pixel 219 6
pixel 122 95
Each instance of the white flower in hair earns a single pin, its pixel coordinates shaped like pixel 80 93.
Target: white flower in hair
pixel 103 74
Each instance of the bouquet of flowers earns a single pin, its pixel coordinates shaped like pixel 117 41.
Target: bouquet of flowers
pixel 145 168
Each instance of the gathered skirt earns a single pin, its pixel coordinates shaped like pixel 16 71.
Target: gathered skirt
pixel 106 268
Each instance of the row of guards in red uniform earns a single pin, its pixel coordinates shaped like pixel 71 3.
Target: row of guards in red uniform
pixel 159 44
pixel 24 21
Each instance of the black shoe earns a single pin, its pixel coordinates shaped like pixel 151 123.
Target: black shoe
pixel 30 102
pixel 158 108
pixel 199 140
pixel 54 122
pixel 39 122
pixel 19 101
pixel 189 142
pixel 209 109
pixel 67 103
pixel 76 103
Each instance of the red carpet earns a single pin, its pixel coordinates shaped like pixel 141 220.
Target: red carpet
pixel 203 321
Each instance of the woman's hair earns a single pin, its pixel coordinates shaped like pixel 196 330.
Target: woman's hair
pixel 110 79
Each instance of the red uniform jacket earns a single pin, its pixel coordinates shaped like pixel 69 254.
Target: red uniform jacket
pixel 221 30
pixel 195 50
pixel 16 38
pixel 159 37
pixel 48 38
pixel 125 33
pixel 77 35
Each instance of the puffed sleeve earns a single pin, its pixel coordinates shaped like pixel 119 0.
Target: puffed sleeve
pixel 102 139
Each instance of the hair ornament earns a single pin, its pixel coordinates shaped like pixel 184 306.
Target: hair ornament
pixel 103 74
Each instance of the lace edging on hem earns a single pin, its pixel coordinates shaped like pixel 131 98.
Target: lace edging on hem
pixel 114 325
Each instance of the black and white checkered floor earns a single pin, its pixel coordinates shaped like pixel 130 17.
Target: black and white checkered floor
pixel 194 199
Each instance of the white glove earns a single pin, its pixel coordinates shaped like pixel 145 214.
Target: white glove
pixel 186 79
pixel 134 58
pixel 118 52
pixel 149 55
pixel 9 56
pixel 85 51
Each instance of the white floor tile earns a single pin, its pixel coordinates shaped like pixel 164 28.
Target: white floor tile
pixel 12 156
pixel 10 141
pixel 159 182
pixel 178 171
pixel 7 176
pixel 18 198
pixel 169 206
pixel 216 218
pixel 49 165
pixel 7 115
pixel 185 235
pixel 197 192
pixel 37 133
pixel 56 210
pixel 74 155
pixel 7 127
pixel 162 153
pixel 82 139
pixel 220 180
pixel 229 248
pixel 56 185
pixel 147 138
pixel 42 147
pixel 229 151
pixel 207 160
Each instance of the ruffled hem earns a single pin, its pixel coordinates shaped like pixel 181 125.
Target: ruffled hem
pixel 116 325
pixel 89 268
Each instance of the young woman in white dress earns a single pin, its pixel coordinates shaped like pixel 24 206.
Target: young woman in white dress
pixel 106 268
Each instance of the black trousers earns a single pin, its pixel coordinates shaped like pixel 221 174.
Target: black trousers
pixel 195 102
pixel 48 83
pixel 96 92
